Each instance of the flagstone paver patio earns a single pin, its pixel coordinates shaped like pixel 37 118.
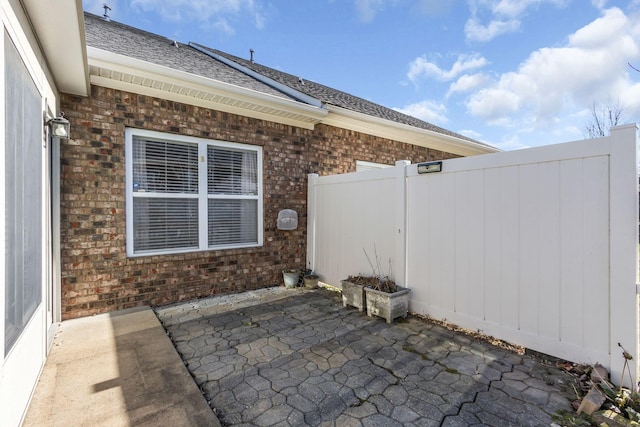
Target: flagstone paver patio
pixel 279 357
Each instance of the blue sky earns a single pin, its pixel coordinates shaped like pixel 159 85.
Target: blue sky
pixel 512 73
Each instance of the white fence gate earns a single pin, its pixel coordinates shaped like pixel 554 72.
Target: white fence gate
pixel 538 247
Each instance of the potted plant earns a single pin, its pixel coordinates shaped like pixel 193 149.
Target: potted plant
pixel 353 292
pixel 387 300
pixel 311 280
pixel 378 293
pixel 290 277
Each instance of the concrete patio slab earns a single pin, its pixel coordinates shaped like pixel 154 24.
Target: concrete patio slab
pixel 281 357
pixel 116 369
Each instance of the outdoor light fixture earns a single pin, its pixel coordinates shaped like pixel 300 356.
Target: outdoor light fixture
pixel 59 126
pixel 429 167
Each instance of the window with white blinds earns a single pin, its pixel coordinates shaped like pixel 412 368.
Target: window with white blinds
pixel 189 194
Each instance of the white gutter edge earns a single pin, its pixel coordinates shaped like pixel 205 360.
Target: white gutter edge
pixel 83 42
pixel 303 97
pixel 136 66
pixel 60 35
pixel 320 114
pixel 482 148
pixel 350 114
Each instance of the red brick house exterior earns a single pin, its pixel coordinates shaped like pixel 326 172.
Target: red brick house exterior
pixel 98 275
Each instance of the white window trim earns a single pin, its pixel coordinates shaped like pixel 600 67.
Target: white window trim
pixel 361 165
pixel 203 197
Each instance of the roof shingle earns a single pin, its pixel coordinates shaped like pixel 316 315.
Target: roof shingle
pixel 135 43
pixel 338 98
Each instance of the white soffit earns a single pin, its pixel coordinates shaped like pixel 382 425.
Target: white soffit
pixel 359 122
pixel 121 72
pixel 59 26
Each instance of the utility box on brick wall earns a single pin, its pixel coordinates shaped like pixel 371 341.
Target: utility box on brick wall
pixel 287 219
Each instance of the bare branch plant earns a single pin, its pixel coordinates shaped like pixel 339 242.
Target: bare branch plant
pixel 604 116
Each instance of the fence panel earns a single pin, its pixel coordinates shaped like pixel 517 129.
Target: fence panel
pixel 538 247
pixel 354 213
pixel 516 250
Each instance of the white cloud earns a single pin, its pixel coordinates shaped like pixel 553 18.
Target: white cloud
pixel 494 105
pixel 468 82
pixel 470 133
pixel 599 33
pixel 367 9
pixel 504 17
pixel 592 66
pixel 212 14
pixel 511 8
pixel 512 142
pixel 422 68
pixel 475 31
pixel 601 4
pixel 630 103
pixel 223 26
pixel 569 132
pixel 516 8
pixel 429 111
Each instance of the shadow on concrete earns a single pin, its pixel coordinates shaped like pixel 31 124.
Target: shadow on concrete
pixel 155 385
pixel 116 369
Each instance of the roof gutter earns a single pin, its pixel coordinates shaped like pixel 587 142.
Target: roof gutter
pixel 348 119
pixel 60 33
pixel 102 57
pixel 364 123
pixel 302 97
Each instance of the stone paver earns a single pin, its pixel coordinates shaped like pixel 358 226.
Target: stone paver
pixel 281 357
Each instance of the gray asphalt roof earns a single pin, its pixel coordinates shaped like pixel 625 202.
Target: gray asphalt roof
pixel 135 43
pixel 336 97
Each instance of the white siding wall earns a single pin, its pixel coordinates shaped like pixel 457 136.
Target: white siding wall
pixel 537 247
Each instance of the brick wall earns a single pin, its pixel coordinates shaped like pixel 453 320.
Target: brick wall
pixel 98 277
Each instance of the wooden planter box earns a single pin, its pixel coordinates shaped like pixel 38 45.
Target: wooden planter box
pixel 387 305
pixel 353 295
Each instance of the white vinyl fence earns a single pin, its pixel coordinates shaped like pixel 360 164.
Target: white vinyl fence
pixel 538 247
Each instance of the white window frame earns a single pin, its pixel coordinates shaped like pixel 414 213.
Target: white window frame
pixel 361 165
pixel 203 196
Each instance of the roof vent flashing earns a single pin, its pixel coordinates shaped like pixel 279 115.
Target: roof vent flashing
pixel 300 96
pixel 106 12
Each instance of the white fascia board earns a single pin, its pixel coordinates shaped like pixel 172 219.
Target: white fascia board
pixel 60 31
pixel 347 119
pixel 146 70
pixel 198 102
